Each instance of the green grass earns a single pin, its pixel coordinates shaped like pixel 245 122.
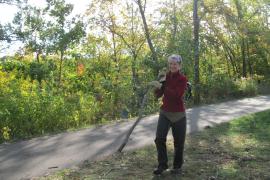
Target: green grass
pixel 236 150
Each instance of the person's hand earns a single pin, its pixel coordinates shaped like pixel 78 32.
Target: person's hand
pixel 155 84
pixel 162 75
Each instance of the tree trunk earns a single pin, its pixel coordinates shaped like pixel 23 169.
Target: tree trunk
pixel 243 46
pixel 248 60
pixel 229 57
pixel 196 23
pixel 60 68
pixel 172 42
pixel 135 81
pixel 174 22
pixel 244 61
pixel 147 34
pixel 37 56
pixel 116 94
pixel 228 68
pixel 141 111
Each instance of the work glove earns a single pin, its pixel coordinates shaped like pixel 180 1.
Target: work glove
pixel 155 84
pixel 162 75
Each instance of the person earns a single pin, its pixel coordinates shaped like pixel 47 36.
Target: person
pixel 171 86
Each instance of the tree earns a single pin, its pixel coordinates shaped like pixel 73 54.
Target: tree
pixel 237 29
pixel 196 23
pixel 147 33
pixel 63 33
pixel 127 39
pixel 7 34
pixel 10 2
pixel 31 29
pixel 131 35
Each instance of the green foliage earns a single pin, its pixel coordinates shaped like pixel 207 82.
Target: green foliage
pixel 48 95
pixel 220 86
pixel 38 71
pixel 31 108
pixel 32 104
pixel 245 87
pixel 11 65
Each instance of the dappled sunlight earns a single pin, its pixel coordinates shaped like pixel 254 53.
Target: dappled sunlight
pixel 220 152
pixel 222 112
pixel 229 167
pixel 238 141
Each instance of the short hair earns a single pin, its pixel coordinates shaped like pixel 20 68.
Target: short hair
pixel 175 57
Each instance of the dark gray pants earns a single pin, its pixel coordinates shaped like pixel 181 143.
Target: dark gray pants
pixel 179 134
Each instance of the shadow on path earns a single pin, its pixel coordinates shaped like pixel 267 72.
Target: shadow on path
pixel 35 157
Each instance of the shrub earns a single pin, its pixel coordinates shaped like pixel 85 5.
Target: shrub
pixel 220 86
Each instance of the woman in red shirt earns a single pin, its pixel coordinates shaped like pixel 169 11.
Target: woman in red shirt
pixel 172 114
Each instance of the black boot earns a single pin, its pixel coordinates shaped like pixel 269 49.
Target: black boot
pixel 160 170
pixel 176 171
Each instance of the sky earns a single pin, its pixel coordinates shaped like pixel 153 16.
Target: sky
pixel 7 13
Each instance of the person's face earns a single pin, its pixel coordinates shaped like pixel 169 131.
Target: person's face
pixel 174 66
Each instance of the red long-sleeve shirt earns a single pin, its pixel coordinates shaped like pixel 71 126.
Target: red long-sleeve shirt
pixel 173 90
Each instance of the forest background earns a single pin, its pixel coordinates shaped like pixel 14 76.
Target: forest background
pixel 94 68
